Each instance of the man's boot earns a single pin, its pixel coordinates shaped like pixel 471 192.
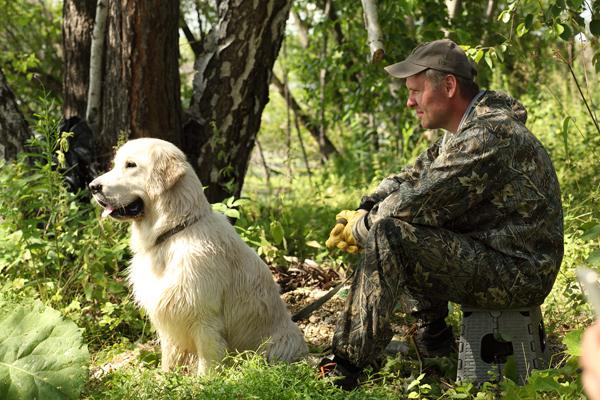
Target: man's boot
pixel 346 374
pixel 434 339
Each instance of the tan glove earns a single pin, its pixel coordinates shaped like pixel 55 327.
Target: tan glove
pixel 341 220
pixel 341 235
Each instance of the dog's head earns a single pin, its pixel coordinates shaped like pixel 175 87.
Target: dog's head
pixel 142 170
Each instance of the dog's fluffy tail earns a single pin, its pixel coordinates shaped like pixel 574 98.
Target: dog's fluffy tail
pixel 287 344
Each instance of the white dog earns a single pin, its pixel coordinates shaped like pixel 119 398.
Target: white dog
pixel 205 290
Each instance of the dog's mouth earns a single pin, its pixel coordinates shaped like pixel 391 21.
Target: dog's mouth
pixel 133 210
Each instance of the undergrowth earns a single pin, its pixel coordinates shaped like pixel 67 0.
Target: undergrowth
pixel 55 248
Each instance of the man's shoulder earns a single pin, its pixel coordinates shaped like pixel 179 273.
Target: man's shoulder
pixel 499 106
pixel 495 113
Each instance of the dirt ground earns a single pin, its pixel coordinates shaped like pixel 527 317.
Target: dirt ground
pixel 303 282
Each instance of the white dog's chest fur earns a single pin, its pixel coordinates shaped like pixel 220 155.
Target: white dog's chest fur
pixel 151 281
pixel 169 281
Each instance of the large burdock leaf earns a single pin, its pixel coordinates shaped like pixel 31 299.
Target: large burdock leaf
pixel 41 355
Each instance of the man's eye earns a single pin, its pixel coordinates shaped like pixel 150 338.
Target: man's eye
pixel 130 164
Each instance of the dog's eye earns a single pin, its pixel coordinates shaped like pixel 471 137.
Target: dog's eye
pixel 130 164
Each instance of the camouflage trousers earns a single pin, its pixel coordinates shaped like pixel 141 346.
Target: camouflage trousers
pixel 420 269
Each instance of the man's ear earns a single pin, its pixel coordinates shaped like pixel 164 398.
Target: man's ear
pixel 168 169
pixel 451 85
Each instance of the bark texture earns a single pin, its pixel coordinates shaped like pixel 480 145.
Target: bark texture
pixel 140 90
pixel 14 130
pixel 78 23
pixel 231 89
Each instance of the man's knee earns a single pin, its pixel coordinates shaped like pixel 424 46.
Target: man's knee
pixel 383 227
pixel 395 233
pixel 387 245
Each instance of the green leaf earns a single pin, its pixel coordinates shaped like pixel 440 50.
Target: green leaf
pixel 573 342
pixel 488 60
pixel 510 369
pixel 543 381
pixel 529 21
pixel 277 232
pixel 521 29
pixel 559 29
pixel 499 52
pixel 232 213
pixel 594 257
pixel 505 16
pixel 478 56
pixel 595 27
pixel 314 244
pixel 41 355
pixel 567 33
pixel 415 382
pixel 591 233
pixel 555 10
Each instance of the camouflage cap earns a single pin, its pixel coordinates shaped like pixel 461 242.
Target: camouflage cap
pixel 442 55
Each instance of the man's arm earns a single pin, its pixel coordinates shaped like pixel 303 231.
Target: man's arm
pixel 393 182
pixel 461 176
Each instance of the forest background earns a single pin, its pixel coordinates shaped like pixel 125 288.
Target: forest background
pixel 288 117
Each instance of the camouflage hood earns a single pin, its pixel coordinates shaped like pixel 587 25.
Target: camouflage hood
pixel 492 104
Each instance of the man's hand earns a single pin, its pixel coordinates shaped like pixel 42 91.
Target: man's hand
pixel 341 234
pixel 341 220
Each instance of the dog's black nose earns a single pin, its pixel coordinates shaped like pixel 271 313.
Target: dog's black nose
pixel 95 187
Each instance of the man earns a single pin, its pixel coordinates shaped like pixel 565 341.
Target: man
pixel 477 220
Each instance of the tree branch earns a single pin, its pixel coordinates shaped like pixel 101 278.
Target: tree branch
pixel 194 43
pixel 326 148
pixel 337 27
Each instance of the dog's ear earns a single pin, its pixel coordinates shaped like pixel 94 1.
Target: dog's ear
pixel 169 167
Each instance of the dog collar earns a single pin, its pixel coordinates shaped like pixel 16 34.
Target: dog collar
pixel 165 235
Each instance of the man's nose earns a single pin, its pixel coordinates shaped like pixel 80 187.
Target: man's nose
pixel 410 102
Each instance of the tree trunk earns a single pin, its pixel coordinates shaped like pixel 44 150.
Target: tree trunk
pixel 230 91
pixel 302 28
pixel 94 98
pixel 489 17
pixel 140 88
pixel 14 130
pixel 375 37
pixel 454 8
pixel 78 22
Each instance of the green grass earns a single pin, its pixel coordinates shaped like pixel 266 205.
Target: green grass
pixel 247 376
pixel 55 249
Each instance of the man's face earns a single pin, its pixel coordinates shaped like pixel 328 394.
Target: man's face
pixel 429 101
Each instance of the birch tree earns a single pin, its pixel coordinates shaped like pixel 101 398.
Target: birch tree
pixel 231 89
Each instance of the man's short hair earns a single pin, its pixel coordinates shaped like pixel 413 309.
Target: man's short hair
pixel 467 87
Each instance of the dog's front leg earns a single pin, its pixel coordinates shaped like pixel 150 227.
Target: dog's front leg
pixel 170 354
pixel 210 346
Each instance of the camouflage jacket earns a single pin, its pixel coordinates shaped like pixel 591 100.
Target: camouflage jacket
pixel 492 181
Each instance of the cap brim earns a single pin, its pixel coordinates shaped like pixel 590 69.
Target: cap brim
pixel 404 69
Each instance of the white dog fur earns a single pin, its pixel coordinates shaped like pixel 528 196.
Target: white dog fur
pixel 206 292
